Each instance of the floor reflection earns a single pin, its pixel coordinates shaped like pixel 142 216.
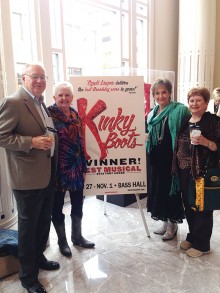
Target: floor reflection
pixel 92 269
pixel 124 259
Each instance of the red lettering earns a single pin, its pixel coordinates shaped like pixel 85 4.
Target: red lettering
pixel 113 141
pixel 120 122
pixel 87 119
pixel 120 125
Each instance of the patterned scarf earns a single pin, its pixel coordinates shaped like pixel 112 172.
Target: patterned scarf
pixel 71 158
pixel 73 124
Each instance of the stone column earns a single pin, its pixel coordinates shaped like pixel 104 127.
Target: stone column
pixel 8 210
pixel 196 51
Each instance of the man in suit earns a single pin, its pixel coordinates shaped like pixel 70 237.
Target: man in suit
pixel 31 165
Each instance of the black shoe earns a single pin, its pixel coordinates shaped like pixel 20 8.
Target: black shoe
pixel 83 242
pixel 65 249
pixel 62 241
pixel 48 265
pixel 35 288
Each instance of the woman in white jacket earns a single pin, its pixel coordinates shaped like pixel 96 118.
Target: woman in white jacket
pixel 214 103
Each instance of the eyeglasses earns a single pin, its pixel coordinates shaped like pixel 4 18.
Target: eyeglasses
pixel 36 77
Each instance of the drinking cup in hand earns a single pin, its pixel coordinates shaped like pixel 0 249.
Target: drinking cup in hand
pixel 194 134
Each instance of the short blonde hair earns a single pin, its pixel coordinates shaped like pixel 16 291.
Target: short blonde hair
pixel 216 94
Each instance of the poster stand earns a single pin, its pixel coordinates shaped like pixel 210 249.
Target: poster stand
pixel 137 195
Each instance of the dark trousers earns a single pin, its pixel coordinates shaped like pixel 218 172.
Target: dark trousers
pixel 200 223
pixel 34 218
pixel 76 198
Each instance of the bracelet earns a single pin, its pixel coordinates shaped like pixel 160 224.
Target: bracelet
pixel 209 144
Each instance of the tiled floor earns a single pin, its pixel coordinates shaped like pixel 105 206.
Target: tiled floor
pixel 125 260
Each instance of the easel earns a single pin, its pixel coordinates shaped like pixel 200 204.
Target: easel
pixel 137 195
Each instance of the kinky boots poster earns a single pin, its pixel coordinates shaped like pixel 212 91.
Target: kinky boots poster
pixel 113 116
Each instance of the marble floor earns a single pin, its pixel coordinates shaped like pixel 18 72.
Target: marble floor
pixel 124 259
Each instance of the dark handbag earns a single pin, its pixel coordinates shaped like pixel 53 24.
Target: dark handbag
pixel 207 196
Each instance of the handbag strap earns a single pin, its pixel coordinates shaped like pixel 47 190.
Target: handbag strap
pixel 208 161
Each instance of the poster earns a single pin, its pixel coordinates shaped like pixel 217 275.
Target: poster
pixel 112 112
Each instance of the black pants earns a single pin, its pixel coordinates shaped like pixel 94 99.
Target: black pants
pixel 34 218
pixel 76 198
pixel 200 223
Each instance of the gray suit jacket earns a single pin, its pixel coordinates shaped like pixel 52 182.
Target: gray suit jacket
pixel 19 122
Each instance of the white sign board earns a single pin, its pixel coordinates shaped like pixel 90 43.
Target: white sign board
pixel 112 112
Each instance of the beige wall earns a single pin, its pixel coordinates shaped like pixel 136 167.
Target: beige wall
pixel 165 48
pixel 165 38
pixel 166 34
pixel 216 81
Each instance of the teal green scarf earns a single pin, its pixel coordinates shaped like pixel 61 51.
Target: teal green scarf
pixel 176 112
pixel 155 124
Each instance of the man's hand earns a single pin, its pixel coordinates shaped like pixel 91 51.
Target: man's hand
pixel 42 142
